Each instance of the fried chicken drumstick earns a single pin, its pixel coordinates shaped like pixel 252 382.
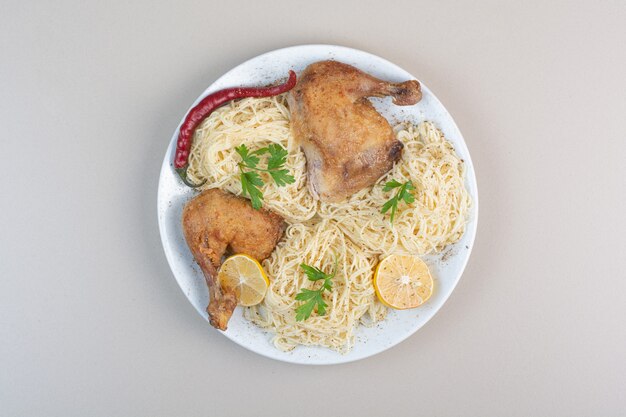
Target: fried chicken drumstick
pixel 216 221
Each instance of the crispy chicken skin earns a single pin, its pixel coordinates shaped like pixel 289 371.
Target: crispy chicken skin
pixel 216 221
pixel 347 143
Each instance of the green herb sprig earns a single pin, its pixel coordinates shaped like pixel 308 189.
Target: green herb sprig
pixel 403 194
pixel 313 298
pixel 251 181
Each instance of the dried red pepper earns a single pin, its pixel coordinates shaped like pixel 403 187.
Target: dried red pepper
pixel 206 106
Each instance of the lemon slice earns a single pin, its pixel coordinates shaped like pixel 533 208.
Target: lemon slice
pixel 402 282
pixel 246 277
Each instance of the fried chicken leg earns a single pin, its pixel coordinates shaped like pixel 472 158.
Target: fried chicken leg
pixel 216 221
pixel 347 143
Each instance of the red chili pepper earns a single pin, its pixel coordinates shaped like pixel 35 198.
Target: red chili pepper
pixel 206 107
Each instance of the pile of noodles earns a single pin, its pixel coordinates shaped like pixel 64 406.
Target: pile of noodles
pixel 354 232
pixel 437 217
pixel 255 122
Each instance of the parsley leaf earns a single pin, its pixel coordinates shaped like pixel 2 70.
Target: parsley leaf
pixel 251 182
pixel 248 159
pixel 282 177
pixel 260 151
pixel 313 273
pixel 278 156
pixel 403 194
pixel 391 185
pixel 313 298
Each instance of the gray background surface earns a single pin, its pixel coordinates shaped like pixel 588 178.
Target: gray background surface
pixel 92 322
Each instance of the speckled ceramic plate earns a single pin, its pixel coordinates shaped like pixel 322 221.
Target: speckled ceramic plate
pixel 446 267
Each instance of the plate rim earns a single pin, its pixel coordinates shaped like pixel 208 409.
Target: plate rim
pixel 472 225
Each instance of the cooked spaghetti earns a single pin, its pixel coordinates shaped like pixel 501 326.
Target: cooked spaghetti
pixel 355 231
pixel 256 122
pixel 352 300
pixel 437 217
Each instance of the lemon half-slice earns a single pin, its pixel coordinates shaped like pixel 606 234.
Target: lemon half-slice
pixel 403 281
pixel 246 277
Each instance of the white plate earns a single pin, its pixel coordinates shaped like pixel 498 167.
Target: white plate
pixel 446 267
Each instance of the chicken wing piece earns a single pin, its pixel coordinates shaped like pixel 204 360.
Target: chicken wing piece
pixel 347 143
pixel 216 221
